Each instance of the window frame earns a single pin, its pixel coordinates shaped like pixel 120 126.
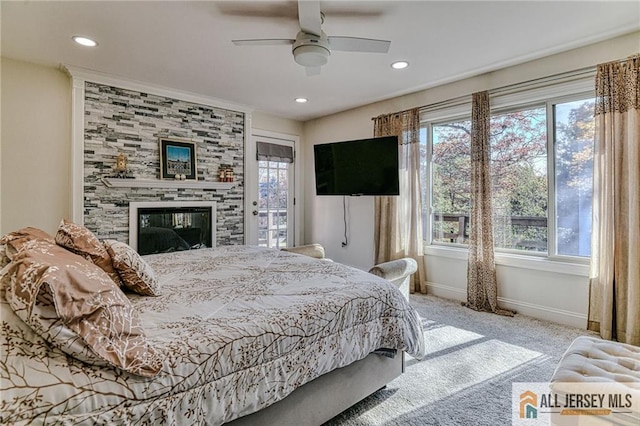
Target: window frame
pixel 568 89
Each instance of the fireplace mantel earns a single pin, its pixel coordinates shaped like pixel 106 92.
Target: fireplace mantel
pixel 166 183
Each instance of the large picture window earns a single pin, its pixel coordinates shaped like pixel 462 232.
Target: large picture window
pixel 524 149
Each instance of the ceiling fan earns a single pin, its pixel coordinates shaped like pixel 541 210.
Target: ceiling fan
pixel 311 47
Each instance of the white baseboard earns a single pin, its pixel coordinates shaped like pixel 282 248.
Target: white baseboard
pixel 447 291
pixel 560 316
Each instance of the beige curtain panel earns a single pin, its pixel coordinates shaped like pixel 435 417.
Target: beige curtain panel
pixel 614 300
pixel 398 220
pixel 482 285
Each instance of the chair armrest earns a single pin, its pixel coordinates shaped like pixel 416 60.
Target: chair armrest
pixel 395 269
pixel 398 272
pixel 312 250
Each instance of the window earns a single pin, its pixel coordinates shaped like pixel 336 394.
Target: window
pixel 273 203
pixel 519 179
pixel 524 193
pixel 451 185
pixel 574 135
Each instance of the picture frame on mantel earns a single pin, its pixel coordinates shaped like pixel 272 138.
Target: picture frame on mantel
pixel 177 159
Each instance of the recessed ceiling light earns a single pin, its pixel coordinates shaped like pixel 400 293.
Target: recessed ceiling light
pixel 301 100
pixel 84 41
pixel 398 65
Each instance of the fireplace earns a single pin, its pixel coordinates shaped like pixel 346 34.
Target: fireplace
pixel 166 226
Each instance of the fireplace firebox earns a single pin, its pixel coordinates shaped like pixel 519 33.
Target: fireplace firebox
pixel 166 226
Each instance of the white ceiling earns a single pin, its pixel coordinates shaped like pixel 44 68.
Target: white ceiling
pixel 187 45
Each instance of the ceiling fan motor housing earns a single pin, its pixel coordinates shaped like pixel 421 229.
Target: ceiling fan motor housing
pixel 310 50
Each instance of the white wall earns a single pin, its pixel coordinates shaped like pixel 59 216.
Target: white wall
pixel 557 292
pixel 324 215
pixel 263 121
pixel 36 147
pixel 1 151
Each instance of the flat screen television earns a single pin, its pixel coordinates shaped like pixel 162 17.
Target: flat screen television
pixel 358 167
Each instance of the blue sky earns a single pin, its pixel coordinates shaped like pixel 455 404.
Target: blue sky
pixel 178 153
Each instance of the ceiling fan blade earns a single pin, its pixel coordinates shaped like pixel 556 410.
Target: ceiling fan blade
pixel 284 10
pixel 264 42
pixel 311 71
pixel 356 44
pixel 309 17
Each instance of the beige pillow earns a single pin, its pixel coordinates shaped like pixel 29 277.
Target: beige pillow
pixel 136 274
pixel 97 323
pixel 82 241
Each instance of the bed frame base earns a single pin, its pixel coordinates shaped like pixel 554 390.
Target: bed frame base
pixel 330 394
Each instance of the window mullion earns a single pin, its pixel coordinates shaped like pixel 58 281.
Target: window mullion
pixel 551 181
pixel 429 183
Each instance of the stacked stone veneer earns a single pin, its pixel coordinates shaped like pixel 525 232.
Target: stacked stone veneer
pixel 118 120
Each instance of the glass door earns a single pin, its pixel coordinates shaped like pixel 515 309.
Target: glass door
pixel 274 204
pixel 272 209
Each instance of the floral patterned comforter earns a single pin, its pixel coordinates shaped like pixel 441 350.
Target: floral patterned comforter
pixel 239 328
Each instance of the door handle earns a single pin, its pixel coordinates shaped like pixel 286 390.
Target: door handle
pixel 255 212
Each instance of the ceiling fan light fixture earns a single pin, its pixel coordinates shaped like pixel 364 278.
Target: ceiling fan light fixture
pixel 398 65
pixel 311 56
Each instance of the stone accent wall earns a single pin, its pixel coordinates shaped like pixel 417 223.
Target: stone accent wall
pixel 118 120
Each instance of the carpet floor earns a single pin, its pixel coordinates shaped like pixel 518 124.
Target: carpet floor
pixel 465 377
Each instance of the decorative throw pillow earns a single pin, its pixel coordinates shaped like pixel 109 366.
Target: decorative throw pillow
pixel 74 305
pixel 14 241
pixel 82 241
pixel 44 321
pixel 136 274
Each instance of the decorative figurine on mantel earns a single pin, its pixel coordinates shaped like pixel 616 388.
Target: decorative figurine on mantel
pixel 225 173
pixel 121 169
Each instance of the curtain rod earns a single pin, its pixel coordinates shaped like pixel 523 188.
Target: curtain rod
pixel 564 76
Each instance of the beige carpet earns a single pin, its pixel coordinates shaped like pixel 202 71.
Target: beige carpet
pixel 465 378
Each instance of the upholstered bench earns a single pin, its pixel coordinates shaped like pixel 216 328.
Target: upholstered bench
pixel 593 360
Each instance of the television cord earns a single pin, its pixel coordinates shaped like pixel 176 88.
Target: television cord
pixel 344 216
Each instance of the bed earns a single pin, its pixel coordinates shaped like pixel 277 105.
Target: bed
pixel 236 333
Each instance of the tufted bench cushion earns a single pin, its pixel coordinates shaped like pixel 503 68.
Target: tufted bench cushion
pixel 590 359
pixel 593 360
